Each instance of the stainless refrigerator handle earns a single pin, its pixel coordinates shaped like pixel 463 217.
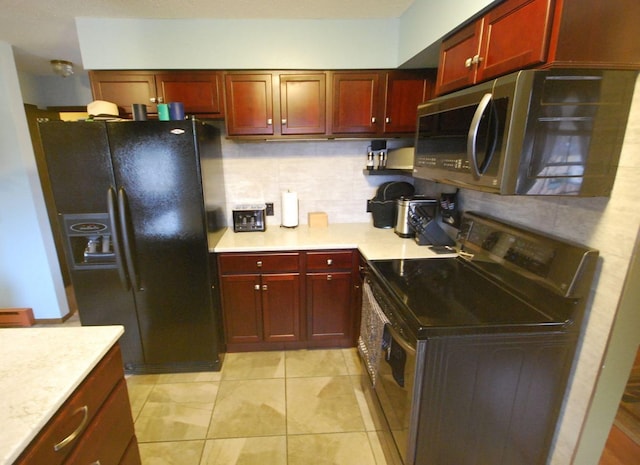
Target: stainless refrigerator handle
pixel 123 211
pixel 115 238
pixel 472 137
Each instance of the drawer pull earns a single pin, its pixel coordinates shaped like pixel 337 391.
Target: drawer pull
pixel 329 261
pixel 259 263
pixel 66 441
pixel 329 277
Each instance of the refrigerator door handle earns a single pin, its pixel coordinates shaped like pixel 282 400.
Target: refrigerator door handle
pixel 127 236
pixel 115 238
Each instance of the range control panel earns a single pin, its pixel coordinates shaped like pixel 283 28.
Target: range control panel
pixel 555 262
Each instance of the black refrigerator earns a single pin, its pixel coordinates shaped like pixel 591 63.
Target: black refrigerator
pixel 135 216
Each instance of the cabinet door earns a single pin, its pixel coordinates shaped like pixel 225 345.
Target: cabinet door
pixel 249 102
pixel 515 36
pixel 405 91
pixel 242 308
pixel 201 92
pixel 329 304
pixel 303 103
pixel 125 89
pixel 356 103
pixel 456 68
pixel 281 307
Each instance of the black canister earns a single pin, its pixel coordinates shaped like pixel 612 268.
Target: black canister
pixel 139 112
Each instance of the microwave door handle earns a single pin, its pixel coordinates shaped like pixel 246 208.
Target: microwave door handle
pixel 472 137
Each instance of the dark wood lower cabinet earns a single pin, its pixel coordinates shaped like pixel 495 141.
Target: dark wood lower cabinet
pixel 93 426
pixel 329 308
pixel 275 301
pixel 281 307
pixel 242 309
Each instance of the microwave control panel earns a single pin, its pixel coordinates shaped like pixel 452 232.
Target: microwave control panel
pixel 454 164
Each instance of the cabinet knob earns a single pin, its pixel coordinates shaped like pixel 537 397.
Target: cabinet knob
pixel 387 120
pixel 284 121
pixel 264 287
pixel 329 277
pixel 256 287
pixel 160 99
pixel 329 261
pixel 373 119
pixel 269 122
pixel 153 100
pixel 468 62
pixel 259 263
pixel 476 59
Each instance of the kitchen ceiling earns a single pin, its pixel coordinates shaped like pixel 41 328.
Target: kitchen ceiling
pixel 42 30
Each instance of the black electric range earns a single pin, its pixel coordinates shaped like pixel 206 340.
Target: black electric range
pixel 469 357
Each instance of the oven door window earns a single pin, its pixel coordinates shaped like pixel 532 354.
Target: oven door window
pixel 394 387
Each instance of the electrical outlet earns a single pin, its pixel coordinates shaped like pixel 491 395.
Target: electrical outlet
pixel 269 208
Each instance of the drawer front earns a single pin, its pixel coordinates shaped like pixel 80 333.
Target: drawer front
pixel 107 438
pixel 259 263
pixel 331 260
pixel 64 429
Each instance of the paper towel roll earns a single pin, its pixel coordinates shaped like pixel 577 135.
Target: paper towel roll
pixel 289 209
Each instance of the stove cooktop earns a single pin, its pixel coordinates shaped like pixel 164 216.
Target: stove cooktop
pixel 436 294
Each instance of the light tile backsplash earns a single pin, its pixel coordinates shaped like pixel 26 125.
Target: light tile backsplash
pixel 328 177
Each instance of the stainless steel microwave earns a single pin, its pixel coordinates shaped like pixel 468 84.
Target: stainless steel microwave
pixel 534 132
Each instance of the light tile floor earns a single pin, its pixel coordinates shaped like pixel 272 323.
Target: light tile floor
pixel 263 408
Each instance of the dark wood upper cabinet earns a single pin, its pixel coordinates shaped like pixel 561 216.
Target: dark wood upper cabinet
pixel 512 36
pixel 356 98
pixel 456 52
pixel 600 33
pixel 303 103
pixel 405 90
pixel 125 88
pixel 249 104
pixel 515 35
pixel 520 34
pixel 200 91
pixel 378 103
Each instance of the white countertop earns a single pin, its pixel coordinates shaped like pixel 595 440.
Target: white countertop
pixel 373 243
pixel 40 369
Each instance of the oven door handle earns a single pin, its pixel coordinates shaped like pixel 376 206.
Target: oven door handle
pixel 400 340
